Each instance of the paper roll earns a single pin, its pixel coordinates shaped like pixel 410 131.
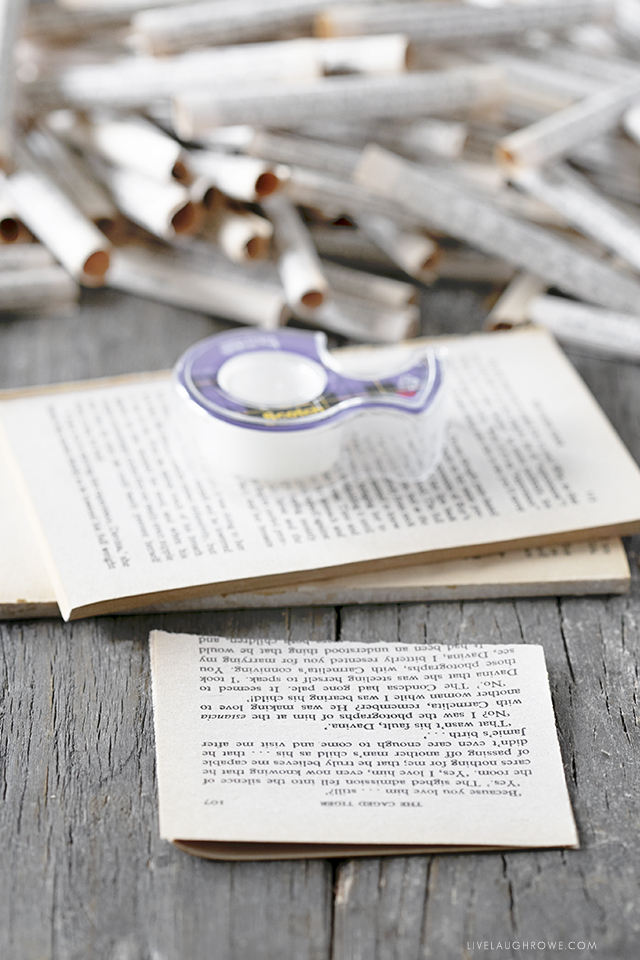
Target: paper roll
pixel 350 97
pixel 438 22
pixel 298 263
pixel 40 288
pixel 557 135
pixel 584 208
pixel 201 283
pixel 578 324
pixel 468 217
pixel 49 214
pixel 243 178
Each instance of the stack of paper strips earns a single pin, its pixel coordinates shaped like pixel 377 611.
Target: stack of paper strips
pixel 269 750
pixel 225 155
pixel 127 517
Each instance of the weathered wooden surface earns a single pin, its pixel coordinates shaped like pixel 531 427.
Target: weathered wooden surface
pixel 83 874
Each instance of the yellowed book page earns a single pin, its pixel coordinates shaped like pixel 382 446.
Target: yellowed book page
pixel 598 566
pixel 261 741
pixel 127 518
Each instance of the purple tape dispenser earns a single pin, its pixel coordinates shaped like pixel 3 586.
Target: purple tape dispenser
pixel 278 406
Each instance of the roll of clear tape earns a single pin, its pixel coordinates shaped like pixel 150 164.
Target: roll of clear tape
pixel 277 406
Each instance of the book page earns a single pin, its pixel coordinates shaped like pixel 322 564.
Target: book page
pixel 596 566
pixel 262 741
pixel 128 517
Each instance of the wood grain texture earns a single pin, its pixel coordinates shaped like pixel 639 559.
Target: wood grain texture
pixel 84 875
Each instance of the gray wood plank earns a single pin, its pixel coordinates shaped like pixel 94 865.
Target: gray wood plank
pixel 84 875
pixel 434 907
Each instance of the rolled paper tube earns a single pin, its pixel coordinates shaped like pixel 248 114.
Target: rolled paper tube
pixel 511 309
pixel 298 263
pixel 25 256
pixel 368 286
pixel 74 178
pixel 359 319
pixel 557 135
pixel 51 216
pixel 631 123
pixel 424 139
pixel 581 325
pixel 410 249
pixel 11 18
pixel 36 288
pixel 610 70
pixel 470 266
pixel 438 22
pixel 336 197
pixel 197 284
pixel 220 21
pixel 242 178
pixel 350 244
pixel 468 217
pixel 331 158
pixel 135 144
pixel 242 235
pixel 129 82
pixel 373 55
pixel 572 196
pixel 164 209
pixel 11 229
pixel 351 97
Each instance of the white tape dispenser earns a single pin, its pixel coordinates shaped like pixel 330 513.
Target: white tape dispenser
pixel 276 406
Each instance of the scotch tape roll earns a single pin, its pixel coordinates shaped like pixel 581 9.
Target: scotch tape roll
pixel 275 406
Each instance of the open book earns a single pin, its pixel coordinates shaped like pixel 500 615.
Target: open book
pixel 595 566
pixel 127 517
pixel 270 750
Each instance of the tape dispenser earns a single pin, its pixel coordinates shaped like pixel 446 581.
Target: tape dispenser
pixel 278 406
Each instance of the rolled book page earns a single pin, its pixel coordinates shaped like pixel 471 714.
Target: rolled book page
pixel 299 265
pixel 411 250
pixel 581 325
pixel 221 21
pixel 349 97
pixel 335 197
pixel 12 14
pixel 470 266
pixel 374 55
pixel 135 144
pixel 211 287
pixel 25 256
pixel 52 217
pixel 72 175
pixel 584 208
pixel 331 158
pixel 30 288
pixel 368 286
pixel 126 6
pixel 557 135
pixel 164 209
pixel 511 309
pixel 248 179
pixel 359 319
pixel 424 139
pixel 351 244
pixel 468 217
pixel 438 22
pixel 631 123
pixel 545 80
pixel 137 81
pixel 603 69
pixel 12 229
pixel 240 234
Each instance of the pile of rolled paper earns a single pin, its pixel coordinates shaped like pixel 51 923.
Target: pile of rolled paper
pixel 268 160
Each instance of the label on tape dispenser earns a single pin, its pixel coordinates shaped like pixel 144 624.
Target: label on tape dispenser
pixel 277 406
